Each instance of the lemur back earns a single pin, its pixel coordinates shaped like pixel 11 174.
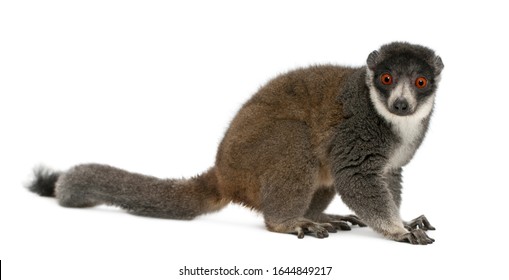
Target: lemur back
pixel 301 139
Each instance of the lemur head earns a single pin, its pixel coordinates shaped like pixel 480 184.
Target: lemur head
pixel 402 79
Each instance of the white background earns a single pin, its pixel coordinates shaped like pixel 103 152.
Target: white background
pixel 150 86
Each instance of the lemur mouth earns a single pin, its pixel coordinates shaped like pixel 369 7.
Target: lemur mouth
pixel 402 114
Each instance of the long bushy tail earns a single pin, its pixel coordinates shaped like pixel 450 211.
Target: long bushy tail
pixel 89 185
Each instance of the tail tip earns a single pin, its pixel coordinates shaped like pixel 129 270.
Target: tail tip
pixel 44 182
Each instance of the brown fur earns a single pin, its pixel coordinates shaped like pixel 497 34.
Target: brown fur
pixel 281 137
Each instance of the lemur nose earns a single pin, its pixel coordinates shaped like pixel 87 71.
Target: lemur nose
pixel 400 105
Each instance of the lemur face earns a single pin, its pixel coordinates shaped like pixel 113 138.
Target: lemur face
pixel 402 80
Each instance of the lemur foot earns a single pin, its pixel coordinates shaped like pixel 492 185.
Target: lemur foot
pixel 419 223
pixel 320 230
pixel 416 237
pixel 301 227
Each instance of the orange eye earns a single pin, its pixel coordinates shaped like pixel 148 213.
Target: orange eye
pixel 421 82
pixel 386 79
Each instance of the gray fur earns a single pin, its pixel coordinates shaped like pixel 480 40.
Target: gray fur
pixel 301 139
pixel 89 185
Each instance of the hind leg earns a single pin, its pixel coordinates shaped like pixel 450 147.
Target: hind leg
pixel 284 209
pixel 286 169
pixel 286 196
pixel 321 199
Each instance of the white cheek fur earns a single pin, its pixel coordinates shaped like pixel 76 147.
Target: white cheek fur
pixel 408 128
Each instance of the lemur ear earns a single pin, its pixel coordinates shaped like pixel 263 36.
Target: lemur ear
pixel 439 65
pixel 372 59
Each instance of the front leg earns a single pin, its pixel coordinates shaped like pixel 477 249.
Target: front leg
pixel 370 198
pixel 393 180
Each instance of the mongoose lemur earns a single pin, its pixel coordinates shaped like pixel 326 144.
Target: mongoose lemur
pixel 302 138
